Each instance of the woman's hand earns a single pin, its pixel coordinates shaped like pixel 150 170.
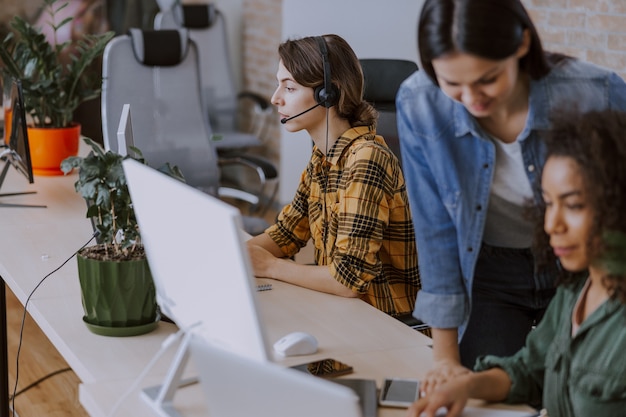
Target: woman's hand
pixel 452 395
pixel 445 370
pixel 261 260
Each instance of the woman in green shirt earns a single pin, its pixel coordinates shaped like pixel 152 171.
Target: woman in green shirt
pixel 573 363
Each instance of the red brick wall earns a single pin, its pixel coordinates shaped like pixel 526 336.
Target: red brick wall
pixel 262 20
pixel 592 30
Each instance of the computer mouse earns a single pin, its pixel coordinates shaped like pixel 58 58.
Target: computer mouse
pixel 296 343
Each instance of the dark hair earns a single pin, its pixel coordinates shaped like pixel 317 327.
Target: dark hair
pixel 595 141
pixel 490 29
pixel 303 59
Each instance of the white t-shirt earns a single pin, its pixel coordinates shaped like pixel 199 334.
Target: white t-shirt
pixel 511 191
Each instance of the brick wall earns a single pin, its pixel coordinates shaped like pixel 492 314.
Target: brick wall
pixel 261 36
pixel 592 30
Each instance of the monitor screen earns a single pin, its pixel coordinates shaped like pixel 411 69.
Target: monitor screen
pixel 16 135
pixel 199 260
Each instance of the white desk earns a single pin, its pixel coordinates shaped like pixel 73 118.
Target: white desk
pixel 36 241
pixel 99 398
pixel 410 362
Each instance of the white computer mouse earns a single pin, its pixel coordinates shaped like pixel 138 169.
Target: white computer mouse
pixel 296 343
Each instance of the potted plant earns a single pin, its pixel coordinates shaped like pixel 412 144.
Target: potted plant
pixel 56 78
pixel 117 289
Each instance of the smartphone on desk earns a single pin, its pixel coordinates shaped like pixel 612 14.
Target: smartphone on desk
pixel 326 368
pixel 399 392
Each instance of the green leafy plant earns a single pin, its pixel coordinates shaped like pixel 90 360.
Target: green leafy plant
pixel 56 78
pixel 102 183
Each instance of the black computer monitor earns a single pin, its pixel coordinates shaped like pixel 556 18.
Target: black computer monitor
pixel 15 151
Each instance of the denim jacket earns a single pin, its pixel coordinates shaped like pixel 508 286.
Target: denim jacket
pixel 448 163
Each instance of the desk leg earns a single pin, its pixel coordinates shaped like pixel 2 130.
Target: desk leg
pixel 4 362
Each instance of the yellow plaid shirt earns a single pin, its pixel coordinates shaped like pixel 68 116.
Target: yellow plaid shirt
pixel 357 196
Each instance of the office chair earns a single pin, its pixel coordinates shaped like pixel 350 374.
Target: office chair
pixel 382 80
pixel 238 120
pixel 157 74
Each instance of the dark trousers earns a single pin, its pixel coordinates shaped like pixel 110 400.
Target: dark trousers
pixel 508 299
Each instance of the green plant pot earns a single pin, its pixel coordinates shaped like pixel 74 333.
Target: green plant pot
pixel 119 298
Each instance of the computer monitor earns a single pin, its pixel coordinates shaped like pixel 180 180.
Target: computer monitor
pixel 15 150
pixel 237 386
pixel 204 282
pixel 196 251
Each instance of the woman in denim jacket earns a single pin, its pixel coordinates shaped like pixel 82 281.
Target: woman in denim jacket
pixel 469 126
pixel 573 362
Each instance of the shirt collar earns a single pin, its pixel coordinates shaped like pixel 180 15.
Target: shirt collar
pixel 344 141
pixel 539 105
pixel 538 113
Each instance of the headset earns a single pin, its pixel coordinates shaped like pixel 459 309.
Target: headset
pixel 326 94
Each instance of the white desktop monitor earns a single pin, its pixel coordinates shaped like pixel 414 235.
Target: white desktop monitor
pixel 236 386
pixel 199 261
pixel 197 255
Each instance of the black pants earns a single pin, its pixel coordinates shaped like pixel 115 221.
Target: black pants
pixel 508 299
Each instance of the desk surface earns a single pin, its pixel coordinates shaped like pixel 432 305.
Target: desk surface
pixel 37 241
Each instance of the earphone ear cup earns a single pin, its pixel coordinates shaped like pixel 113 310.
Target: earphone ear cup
pixel 326 99
pixel 326 94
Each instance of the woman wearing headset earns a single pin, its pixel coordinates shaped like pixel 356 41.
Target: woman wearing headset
pixel 351 200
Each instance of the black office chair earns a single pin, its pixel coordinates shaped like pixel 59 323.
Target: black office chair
pixel 382 80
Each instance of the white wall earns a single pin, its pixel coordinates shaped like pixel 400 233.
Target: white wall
pixel 232 10
pixel 374 29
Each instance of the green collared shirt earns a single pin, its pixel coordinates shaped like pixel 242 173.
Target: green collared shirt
pixel 575 376
pixel 357 197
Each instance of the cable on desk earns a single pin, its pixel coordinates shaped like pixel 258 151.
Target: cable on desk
pixel 19 345
pixel 39 381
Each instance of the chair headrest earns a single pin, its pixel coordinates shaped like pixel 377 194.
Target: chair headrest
pixel 159 48
pixel 383 78
pixel 199 16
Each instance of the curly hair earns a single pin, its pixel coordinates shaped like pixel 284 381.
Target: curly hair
pixel 596 141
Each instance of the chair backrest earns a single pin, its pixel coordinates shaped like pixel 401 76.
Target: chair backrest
pixel 207 28
pixel 382 80
pixel 157 73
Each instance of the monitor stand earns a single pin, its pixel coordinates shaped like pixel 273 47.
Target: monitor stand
pixel 7 165
pixel 161 397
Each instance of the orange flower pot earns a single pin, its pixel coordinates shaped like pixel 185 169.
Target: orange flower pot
pixel 8 123
pixel 50 146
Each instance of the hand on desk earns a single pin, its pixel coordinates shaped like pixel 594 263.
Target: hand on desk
pixel 261 260
pixel 452 396
pixel 268 262
pixel 444 371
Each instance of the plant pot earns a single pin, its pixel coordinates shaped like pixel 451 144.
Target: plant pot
pixel 119 297
pixel 49 146
pixel 8 122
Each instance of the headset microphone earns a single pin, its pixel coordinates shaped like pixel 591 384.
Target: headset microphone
pixel 286 119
